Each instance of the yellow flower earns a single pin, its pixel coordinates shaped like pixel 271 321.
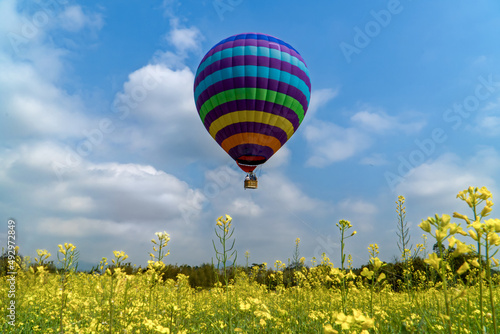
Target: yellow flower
pixel 433 261
pixel 485 193
pixel 440 235
pixel 377 263
pixel 451 241
pixel 462 248
pixel 344 321
pixel 367 273
pixel 486 211
pixel 493 225
pixel 425 225
pixel 463 268
pixel 475 263
pixel 493 238
pixel 244 306
pixel 328 329
pixel 464 217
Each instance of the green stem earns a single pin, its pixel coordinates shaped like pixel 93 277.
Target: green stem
pixel 490 285
pixel 342 258
pixel 446 301
pixel 480 273
pixel 445 290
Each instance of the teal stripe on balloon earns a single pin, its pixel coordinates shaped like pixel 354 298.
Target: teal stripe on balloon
pixel 252 71
pixel 253 51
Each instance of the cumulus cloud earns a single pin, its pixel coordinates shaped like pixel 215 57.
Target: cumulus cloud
pixel 185 39
pixel 487 121
pixel 160 116
pixel 32 106
pixel 319 98
pixel 94 199
pixel 381 123
pixel 438 182
pixel 331 143
pixel 271 217
pixel 73 19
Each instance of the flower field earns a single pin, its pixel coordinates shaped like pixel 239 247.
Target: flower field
pixel 455 291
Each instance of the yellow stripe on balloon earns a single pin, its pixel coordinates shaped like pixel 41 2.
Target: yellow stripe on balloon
pixel 251 116
pixel 250 138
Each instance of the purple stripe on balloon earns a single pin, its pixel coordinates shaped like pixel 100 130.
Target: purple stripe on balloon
pixel 258 105
pixel 251 149
pixel 252 60
pixel 255 127
pixel 252 42
pixel 252 82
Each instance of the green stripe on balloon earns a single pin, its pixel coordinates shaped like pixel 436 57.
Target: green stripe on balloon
pixel 251 93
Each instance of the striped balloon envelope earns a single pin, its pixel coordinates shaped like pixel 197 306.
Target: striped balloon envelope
pixel 252 92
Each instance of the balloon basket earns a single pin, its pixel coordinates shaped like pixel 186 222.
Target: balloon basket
pixel 251 184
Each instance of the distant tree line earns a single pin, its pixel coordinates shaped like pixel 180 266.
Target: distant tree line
pixel 205 276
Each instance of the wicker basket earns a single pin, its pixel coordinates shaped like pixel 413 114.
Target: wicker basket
pixel 251 184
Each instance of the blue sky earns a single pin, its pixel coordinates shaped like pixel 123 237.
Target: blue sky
pixel 101 144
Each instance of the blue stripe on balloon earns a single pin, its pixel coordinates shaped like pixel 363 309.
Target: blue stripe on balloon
pixel 256 36
pixel 252 71
pixel 254 51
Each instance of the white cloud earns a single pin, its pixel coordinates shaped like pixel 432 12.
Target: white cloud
pixel 74 19
pixel 319 98
pixel 185 39
pixel 247 206
pixel 330 143
pixel 359 212
pixel 487 120
pixel 374 159
pixel 279 159
pixel 381 123
pixel 438 182
pixel 489 125
pixel 32 106
pixel 82 227
pixel 271 217
pixel 160 116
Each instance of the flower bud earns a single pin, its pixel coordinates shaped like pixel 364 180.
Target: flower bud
pixel 425 225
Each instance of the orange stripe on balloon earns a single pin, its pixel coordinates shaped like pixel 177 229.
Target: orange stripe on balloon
pixel 251 138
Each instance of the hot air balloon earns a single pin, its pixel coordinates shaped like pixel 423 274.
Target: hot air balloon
pixel 252 92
